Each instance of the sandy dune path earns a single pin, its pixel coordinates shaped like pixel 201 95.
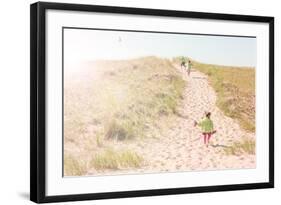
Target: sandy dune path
pixel 182 147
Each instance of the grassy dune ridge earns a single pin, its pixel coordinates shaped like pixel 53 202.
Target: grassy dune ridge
pixel 116 101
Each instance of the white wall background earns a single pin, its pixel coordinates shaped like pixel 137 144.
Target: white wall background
pixel 14 100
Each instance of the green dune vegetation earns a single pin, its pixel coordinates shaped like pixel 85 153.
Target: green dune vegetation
pixel 235 88
pixel 113 102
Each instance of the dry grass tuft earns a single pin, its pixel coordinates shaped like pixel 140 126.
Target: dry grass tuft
pixel 73 166
pixel 111 159
pixel 238 148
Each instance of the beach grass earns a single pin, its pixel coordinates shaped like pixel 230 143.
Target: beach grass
pixel 247 146
pixel 121 101
pixel 112 159
pixel 73 166
pixel 235 88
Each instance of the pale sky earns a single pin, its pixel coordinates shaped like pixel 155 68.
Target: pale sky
pixel 87 45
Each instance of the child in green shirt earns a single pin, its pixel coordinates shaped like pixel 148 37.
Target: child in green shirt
pixel 207 127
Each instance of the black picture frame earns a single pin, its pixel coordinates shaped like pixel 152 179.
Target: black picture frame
pixel 38 101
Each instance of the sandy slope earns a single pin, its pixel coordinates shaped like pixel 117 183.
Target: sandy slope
pixel 182 147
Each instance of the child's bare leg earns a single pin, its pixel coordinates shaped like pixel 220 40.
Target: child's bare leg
pixel 209 136
pixel 205 138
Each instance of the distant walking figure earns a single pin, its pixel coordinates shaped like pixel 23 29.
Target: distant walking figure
pixel 207 127
pixel 188 67
pixel 183 65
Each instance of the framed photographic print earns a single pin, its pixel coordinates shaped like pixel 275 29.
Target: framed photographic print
pixel 129 102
